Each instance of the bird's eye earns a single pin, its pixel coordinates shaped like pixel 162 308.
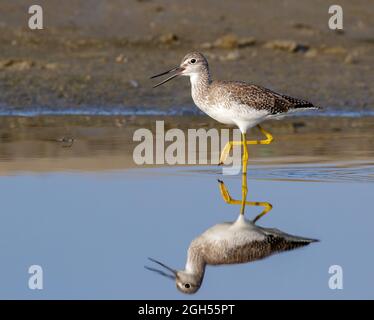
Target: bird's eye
pixel 193 60
pixel 187 285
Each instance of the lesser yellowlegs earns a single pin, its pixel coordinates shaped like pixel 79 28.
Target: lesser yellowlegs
pixel 233 102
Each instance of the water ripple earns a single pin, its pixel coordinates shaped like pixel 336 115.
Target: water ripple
pixel 347 172
pixel 155 111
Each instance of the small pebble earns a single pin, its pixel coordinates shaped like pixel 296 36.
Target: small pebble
pixel 134 83
pixel 121 58
pixel 286 45
pixel 168 38
pixel 231 56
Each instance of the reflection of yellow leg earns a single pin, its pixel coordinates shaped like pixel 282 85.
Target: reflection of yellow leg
pixel 227 198
pixel 229 145
pixel 267 207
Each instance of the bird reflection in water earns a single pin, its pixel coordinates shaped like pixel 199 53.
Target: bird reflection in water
pixel 234 242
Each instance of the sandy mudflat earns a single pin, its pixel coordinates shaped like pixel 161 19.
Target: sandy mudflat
pixel 101 53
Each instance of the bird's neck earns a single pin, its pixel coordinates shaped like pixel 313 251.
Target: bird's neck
pixel 195 263
pixel 200 82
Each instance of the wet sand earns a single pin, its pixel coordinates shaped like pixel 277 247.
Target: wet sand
pixel 102 54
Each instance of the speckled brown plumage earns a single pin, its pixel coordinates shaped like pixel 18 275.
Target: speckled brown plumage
pixel 258 98
pixel 253 251
pixel 203 252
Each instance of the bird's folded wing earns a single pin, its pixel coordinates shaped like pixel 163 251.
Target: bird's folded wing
pixel 260 98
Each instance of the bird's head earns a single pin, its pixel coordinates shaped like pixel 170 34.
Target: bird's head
pixel 193 63
pixel 186 282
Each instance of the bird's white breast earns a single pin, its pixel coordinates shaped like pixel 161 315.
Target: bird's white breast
pixel 238 233
pixel 227 111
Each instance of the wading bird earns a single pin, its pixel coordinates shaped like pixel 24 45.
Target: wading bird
pixel 233 102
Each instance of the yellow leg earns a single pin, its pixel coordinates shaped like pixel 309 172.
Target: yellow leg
pixel 267 134
pixel 227 198
pixel 226 150
pixel 244 190
pixel 245 159
pixel 229 145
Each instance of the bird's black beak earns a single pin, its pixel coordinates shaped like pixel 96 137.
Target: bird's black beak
pixel 172 275
pixel 177 70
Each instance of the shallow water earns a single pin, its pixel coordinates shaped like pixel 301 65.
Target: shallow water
pixel 92 229
pixel 188 110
